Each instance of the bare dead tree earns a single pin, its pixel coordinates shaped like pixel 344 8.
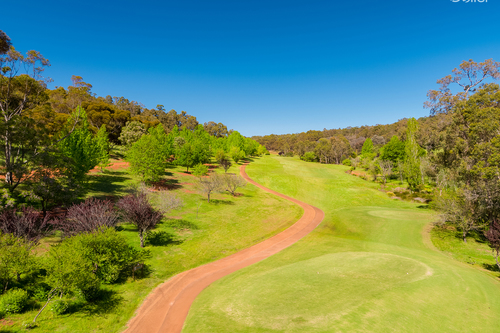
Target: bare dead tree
pixel 89 216
pixel 137 210
pixel 233 182
pixel 209 185
pixel 27 223
pixel 168 201
pixel 385 169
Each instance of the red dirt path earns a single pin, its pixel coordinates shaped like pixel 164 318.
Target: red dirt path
pixel 166 308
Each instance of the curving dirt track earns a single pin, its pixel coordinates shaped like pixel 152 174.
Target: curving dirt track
pixel 166 308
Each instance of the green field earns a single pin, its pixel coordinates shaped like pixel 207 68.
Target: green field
pixel 369 267
pixel 201 233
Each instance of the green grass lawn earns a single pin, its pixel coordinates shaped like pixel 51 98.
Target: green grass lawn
pixel 201 232
pixel 369 267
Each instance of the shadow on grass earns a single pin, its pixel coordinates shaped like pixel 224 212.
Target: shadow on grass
pixel 221 202
pixel 161 238
pixel 109 183
pixel 181 224
pixel 423 207
pixel 491 267
pixel 166 184
pixel 106 302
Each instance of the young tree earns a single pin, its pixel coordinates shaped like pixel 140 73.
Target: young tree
pixel 211 184
pixel 102 142
pixel 367 149
pixel 16 258
pixel 223 160
pixel 493 237
pixel 137 210
pixel 393 151
pixel 168 201
pixel 232 182
pixel 148 156
pixel 27 224
pixel 385 168
pixel 79 145
pixel 200 170
pixel 236 154
pixel 412 161
pixel 132 132
pixel 88 216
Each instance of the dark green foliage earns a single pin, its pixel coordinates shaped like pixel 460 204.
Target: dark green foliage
pixel 102 142
pixel 191 147
pixel 159 238
pixel 393 151
pixel 13 301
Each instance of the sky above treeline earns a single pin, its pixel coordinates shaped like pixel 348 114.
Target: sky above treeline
pixel 261 67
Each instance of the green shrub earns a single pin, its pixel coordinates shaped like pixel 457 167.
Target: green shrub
pixel 14 301
pixel 289 154
pixel 346 162
pixel 2 314
pixel 391 194
pixel 310 156
pixel 40 292
pixel 60 306
pixel 200 170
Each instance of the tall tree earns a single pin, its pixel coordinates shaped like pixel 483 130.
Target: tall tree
pixel 412 161
pixel 5 42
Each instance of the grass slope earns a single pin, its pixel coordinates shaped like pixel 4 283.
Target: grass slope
pixel 369 267
pixel 202 233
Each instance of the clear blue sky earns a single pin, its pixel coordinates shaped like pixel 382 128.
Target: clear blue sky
pixel 260 67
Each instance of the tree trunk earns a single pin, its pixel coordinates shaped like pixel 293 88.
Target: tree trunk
pixel 496 259
pixel 464 236
pixel 208 197
pixel 141 236
pixel 50 296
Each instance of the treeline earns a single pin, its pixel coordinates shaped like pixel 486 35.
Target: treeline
pixel 51 139
pixel 454 154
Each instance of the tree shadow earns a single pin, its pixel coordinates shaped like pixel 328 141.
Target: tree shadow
pixel 106 183
pixel 181 224
pixel 221 202
pixel 106 302
pixel 423 207
pixel 166 184
pixel 491 267
pixel 161 238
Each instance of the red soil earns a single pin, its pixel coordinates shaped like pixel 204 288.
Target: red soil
pixel 166 308
pixel 113 166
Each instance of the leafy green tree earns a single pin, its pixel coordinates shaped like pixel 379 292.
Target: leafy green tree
pixel 200 170
pixel 132 132
pixel 102 142
pixel 236 154
pixel 340 148
pixel 393 151
pixel 191 147
pixel 368 151
pixel 148 156
pixel 16 258
pixel 79 145
pixel 412 150
pixel 309 157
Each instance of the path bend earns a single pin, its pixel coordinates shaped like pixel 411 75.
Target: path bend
pixel 166 307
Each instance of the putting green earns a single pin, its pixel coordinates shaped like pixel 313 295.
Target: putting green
pixel 366 268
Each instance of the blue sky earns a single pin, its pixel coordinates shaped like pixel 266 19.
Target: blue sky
pixel 261 67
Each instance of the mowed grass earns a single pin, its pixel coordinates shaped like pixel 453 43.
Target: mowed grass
pixel 201 233
pixel 369 267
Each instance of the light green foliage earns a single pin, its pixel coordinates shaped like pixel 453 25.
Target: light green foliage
pixel 393 151
pixel 346 162
pixel 261 150
pixel 16 258
pixel 148 156
pixel 14 301
pixel 367 150
pixel 235 139
pixel 102 142
pixel 132 132
pixel 310 156
pixel 106 251
pixel 191 147
pixel 236 154
pixel 80 145
pixel 412 161
pixel 200 170
pixel 60 306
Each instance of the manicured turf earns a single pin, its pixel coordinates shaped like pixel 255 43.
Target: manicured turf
pixel 201 232
pixel 369 267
